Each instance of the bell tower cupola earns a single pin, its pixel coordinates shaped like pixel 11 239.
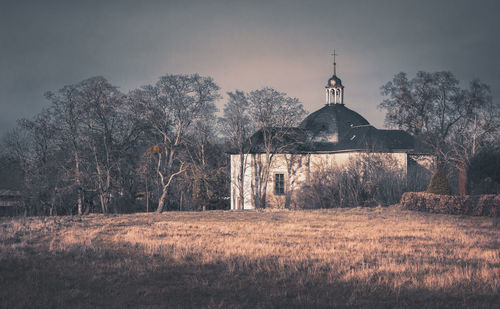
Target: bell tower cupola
pixel 334 87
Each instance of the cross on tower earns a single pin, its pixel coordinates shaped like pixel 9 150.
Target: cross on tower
pixel 334 63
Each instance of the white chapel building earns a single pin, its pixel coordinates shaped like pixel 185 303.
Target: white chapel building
pixel 329 136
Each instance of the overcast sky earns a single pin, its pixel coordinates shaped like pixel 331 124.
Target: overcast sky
pixel 243 45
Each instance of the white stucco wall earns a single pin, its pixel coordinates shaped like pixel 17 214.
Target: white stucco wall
pixel 297 169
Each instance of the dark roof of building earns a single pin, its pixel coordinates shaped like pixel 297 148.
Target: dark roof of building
pixel 290 138
pixel 351 131
pixel 369 138
pixel 360 138
pixel 285 140
pixel 331 123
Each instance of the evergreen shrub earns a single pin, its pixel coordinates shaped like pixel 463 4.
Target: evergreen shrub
pixel 439 183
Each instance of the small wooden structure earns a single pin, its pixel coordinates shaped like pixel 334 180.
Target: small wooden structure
pixel 10 202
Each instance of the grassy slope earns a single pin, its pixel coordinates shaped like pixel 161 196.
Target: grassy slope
pixel 357 257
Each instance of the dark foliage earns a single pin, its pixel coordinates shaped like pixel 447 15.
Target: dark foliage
pixel 11 173
pixel 439 183
pixel 484 172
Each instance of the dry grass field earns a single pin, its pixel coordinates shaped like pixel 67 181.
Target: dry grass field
pixel 358 257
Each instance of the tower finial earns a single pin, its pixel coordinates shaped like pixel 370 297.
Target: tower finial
pixel 334 63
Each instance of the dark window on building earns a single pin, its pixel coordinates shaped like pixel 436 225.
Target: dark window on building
pixel 279 184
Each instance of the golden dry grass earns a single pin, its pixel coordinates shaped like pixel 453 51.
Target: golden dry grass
pixel 358 257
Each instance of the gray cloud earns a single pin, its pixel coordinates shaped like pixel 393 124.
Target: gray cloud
pixel 242 44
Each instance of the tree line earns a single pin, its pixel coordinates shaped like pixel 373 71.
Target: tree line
pixel 163 147
pixel 158 147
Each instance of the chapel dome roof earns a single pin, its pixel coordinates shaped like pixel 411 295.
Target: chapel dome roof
pixel 332 122
pixel 334 81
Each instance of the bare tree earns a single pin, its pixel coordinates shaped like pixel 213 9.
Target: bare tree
pixel 170 108
pixel 478 130
pixel 105 134
pixel 205 176
pixel 275 115
pixel 237 127
pixel 94 135
pixel 36 149
pixel 434 108
pixel 16 145
pixel 68 115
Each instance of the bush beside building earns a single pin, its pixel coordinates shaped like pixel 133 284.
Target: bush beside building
pixel 472 205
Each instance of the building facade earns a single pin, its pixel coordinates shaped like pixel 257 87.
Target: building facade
pixel 330 137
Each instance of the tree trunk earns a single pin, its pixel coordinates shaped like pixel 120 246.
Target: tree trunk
pixel 257 181
pixel 100 185
pixel 462 180
pixel 147 195
pixel 104 185
pixel 265 182
pixel 79 201
pixel 107 191
pixel 263 198
pixel 181 200
pixel 78 183
pixel 102 200
pixel 52 211
pixel 261 179
pixel 161 201
pixel 241 180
